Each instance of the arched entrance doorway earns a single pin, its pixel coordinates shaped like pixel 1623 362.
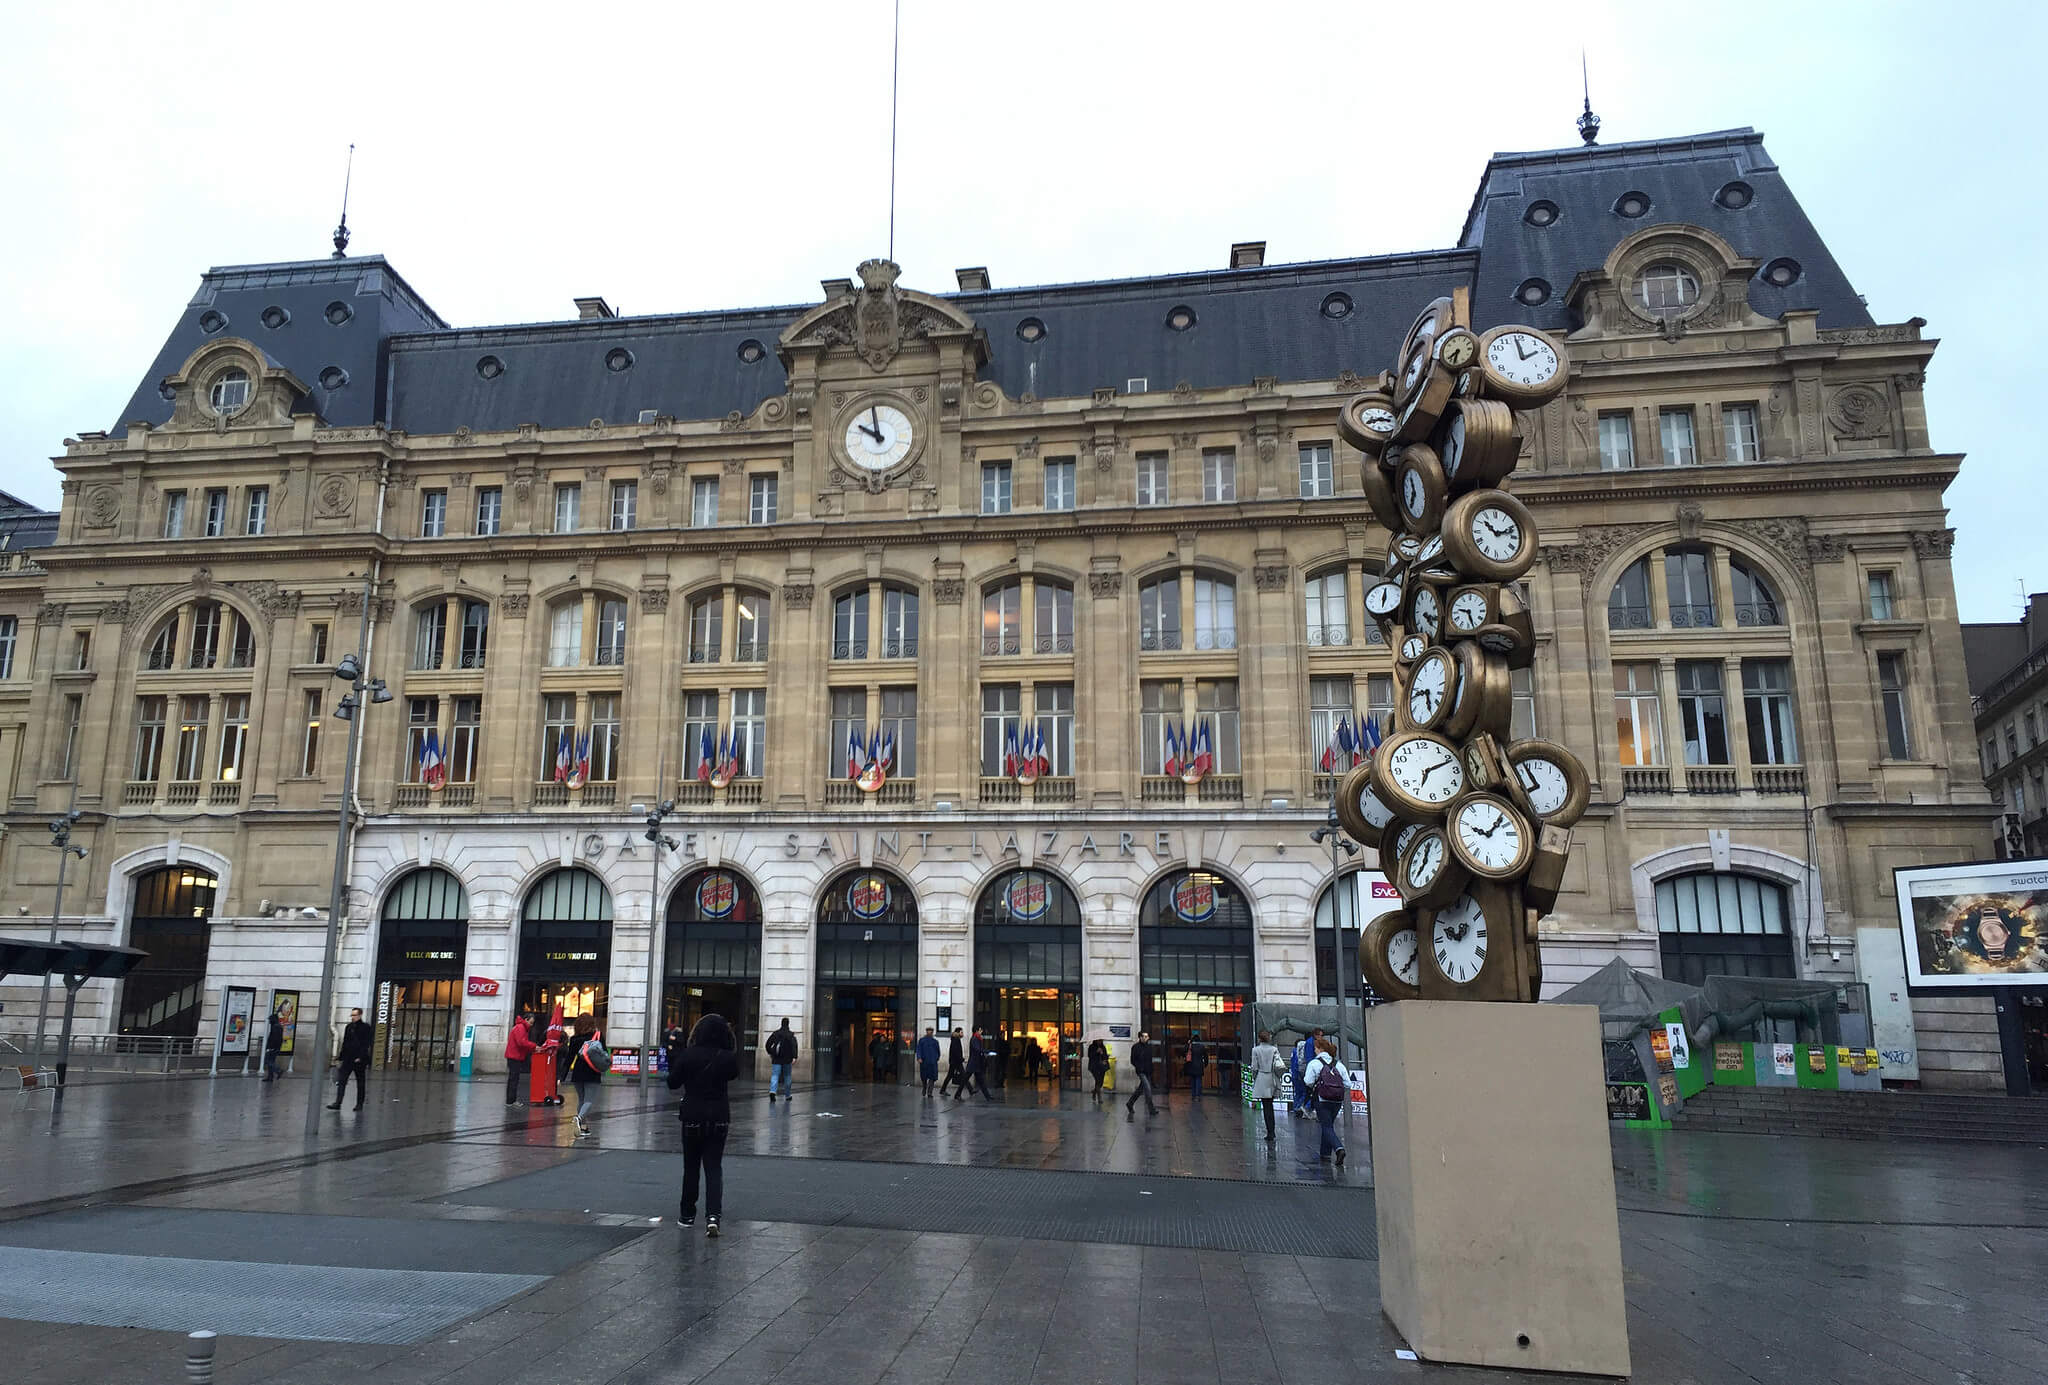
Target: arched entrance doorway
pixel 171 921
pixel 1027 975
pixel 867 978
pixel 711 961
pixel 422 940
pixel 1359 897
pixel 1195 961
pixel 565 946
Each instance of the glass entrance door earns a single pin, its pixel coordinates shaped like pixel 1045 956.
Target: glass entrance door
pixel 419 1025
pixel 683 1003
pixel 1041 1032
pixel 1175 1019
pixel 868 1039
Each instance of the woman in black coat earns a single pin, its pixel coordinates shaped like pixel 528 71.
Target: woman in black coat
pixel 1098 1066
pixel 702 1069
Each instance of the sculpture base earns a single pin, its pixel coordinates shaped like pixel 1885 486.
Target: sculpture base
pixel 1499 1240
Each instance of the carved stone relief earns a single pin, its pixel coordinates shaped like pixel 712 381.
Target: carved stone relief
pixel 102 507
pixel 797 595
pixel 334 497
pixel 1860 412
pixel 1105 585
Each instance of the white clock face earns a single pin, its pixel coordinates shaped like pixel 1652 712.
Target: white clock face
pixel 1432 549
pixel 1489 834
pixel 1376 814
pixel 1403 837
pixel 1544 782
pixel 1425 863
pixel 1496 534
pixel 1384 599
pixel 1459 939
pixel 1414 499
pixel 1427 617
pixel 1454 445
pixel 1412 647
pixel 1427 688
pixel 1403 956
pixel 1417 359
pixel 878 437
pixel 1468 611
pixel 1406 546
pixel 1427 771
pixel 1377 420
pixel 1522 358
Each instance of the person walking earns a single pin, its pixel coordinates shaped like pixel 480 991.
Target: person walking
pixel 519 1051
pixel 928 1059
pixel 273 1047
pixel 587 1069
pixel 1329 1082
pixel 996 1072
pixel 354 1059
pixel 556 1050
pixel 1197 1063
pixel 1266 1069
pixel 956 1064
pixel 1297 1065
pixel 1034 1057
pixel 703 1069
pixel 977 1070
pixel 1141 1064
pixel 781 1060
pixel 1098 1066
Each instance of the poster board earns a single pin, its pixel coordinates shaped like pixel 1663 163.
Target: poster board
pixel 285 1005
pixel 1973 926
pixel 237 1010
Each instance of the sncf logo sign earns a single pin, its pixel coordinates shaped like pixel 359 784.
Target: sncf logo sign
pixel 482 985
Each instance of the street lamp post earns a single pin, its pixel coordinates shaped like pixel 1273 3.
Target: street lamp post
pixel 362 692
pixel 60 837
pixel 1338 841
pixel 655 962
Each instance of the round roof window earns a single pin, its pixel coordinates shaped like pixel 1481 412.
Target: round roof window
pixel 1541 213
pixel 1735 196
pixel 1782 273
pixel 1337 305
pixel 489 367
pixel 211 322
pixel 1031 329
pixel 618 359
pixel 751 351
pixel 339 313
pixel 333 378
pixel 1632 204
pixel 1533 293
pixel 275 317
pixel 1180 318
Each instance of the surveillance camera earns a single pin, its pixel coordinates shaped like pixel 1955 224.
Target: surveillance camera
pixel 73 816
pixel 309 912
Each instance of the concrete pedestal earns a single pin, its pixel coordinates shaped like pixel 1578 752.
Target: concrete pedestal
pixel 1499 1241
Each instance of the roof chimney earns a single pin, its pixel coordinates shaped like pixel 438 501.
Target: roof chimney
pixel 836 288
pixel 974 280
pixel 587 308
pixel 1248 254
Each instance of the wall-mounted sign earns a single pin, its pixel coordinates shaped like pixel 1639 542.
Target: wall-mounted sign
pixel 572 956
pixel 1028 897
pixel 482 985
pixel 1628 1101
pixel 868 897
pixel 1194 898
pixel 717 893
pixel 1119 1031
pixel 1970 926
pixel 237 1007
pixel 429 956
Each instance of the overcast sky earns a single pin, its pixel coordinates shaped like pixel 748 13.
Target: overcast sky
pixel 685 156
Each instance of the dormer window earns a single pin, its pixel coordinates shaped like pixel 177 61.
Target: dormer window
pixel 1666 287
pixel 229 392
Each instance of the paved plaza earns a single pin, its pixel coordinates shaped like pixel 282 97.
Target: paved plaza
pixel 872 1235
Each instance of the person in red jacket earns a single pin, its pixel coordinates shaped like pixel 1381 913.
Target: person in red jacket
pixel 519 1048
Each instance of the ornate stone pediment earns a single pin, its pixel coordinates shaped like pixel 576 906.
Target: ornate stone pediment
pixel 878 319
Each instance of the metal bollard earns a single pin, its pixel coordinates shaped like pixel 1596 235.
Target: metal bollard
pixel 199 1358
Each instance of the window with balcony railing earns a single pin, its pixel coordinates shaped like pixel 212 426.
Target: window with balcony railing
pixel 611 633
pixel 1215 613
pixel 706 629
pixel 1628 605
pixel 1689 588
pixel 1052 631
pixel 1002 620
pixel 1159 614
pixel 1756 604
pixel 1328 610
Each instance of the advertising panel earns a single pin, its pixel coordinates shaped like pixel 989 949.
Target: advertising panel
pixel 237 1008
pixel 1974 925
pixel 285 1005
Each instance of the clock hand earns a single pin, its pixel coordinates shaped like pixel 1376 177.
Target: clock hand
pixel 875 419
pixel 869 431
pixel 1525 355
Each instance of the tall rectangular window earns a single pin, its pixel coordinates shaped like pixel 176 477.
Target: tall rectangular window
pixel 67 751
pixel 995 488
pixel 1216 704
pixel 604 737
pixel 568 507
pixel 1219 474
pixel 309 742
pixel 433 514
pixel 899 625
pixel 256 515
pixel 1522 700
pixel 1617 442
pixel 216 513
pixel 1215 613
pixel 750 730
pixel 1702 712
pixel 1053 720
pixel 1329 703
pixel 1000 704
pixel 1053 630
pixel 190 764
pixel 1329 619
pixel 1637 720
pixel 850 625
pixel 1767 707
pixel 1002 620
pixel 1738 433
pixel 558 729
pixel 1159 614
pixel 1881 607
pixel 1318 470
pixel 422 715
pixel 10 630
pixel 429 635
pixel 490 508
pixel 205 645
pixel 849 717
pixel 149 738
pixel 565 635
pixel 2033 731
pixel 476 633
pixel 704 502
pixel 465 740
pixel 1689 588
pixel 234 737
pixel 1379 701
pixel 611 633
pixel 1151 478
pixel 1059 483
pixel 899 719
pixel 707 629
pixel 174 514
pixel 763 498
pixel 319 642
pixel 1159 705
pixel 700 722
pixel 625 504
pixel 81 651
pixel 1680 448
pixel 1898 718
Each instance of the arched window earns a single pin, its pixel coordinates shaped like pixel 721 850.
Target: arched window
pixel 1755 602
pixel 850 625
pixel 229 392
pixel 1027 974
pixel 898 636
pixel 1002 620
pixel 1195 966
pixel 422 945
pixel 711 963
pixel 1159 613
pixel 565 634
pixel 1628 605
pixel 707 628
pixel 1689 588
pixel 1667 286
pixel 1723 924
pixel 1053 629
pixel 750 633
pixel 1215 613
pixel 867 976
pixel 565 945
pixel 203 634
pixel 170 917
pixel 1332 950
pixel 1329 621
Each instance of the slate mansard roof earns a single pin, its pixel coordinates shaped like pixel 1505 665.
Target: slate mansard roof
pixel 401 365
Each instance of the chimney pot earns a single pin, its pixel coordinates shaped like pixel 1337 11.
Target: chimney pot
pixel 588 308
pixel 1248 254
pixel 836 288
pixel 972 280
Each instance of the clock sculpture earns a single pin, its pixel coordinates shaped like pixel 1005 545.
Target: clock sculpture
pixel 1472 827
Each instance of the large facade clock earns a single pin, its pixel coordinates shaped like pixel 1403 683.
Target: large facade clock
pixel 877 438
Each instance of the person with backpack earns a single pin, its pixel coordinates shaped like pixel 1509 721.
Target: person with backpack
pixel 781 1060
pixel 1329 1082
pixel 702 1069
pixel 1266 1070
pixel 587 1069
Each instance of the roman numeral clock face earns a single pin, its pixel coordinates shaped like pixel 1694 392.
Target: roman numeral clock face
pixel 1458 938
pixel 878 437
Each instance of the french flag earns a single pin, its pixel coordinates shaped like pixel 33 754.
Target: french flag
pixel 705 756
pixel 887 759
pixel 1205 758
pixel 1369 738
pixel 564 750
pixel 580 772
pixel 433 772
pixel 1347 743
pixel 729 753
pixel 1329 760
pixel 1038 748
pixel 854 752
pixel 1010 750
pixel 1173 750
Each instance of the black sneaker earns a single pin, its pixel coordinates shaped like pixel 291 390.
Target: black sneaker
pixel 1340 1158
pixel 771 1098
pixel 687 1220
pixel 711 1228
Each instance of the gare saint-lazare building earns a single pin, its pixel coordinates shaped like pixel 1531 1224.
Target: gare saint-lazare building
pixel 999 647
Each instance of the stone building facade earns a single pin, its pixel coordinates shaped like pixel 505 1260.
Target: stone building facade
pixel 1089 512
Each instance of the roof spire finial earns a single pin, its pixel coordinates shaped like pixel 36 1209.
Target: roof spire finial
pixel 341 231
pixel 1589 124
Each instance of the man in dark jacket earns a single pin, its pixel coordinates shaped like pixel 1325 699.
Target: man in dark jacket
pixel 354 1059
pixel 956 1066
pixel 781 1059
pixel 1141 1064
pixel 977 1069
pixel 702 1070
pixel 1198 1063
pixel 928 1059
pixel 273 1047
